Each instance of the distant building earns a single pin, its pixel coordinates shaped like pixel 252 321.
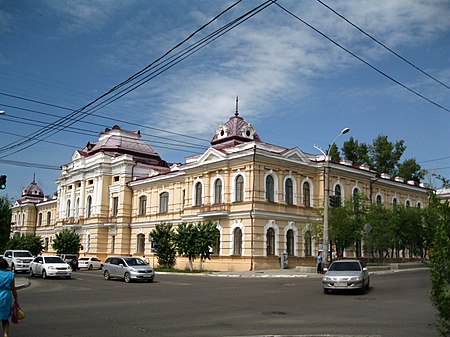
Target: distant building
pixel 264 198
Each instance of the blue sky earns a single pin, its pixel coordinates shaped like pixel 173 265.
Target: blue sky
pixel 295 86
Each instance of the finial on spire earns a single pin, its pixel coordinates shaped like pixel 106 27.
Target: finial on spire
pixel 34 178
pixel 236 113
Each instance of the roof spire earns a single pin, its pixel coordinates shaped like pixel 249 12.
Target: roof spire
pixel 34 178
pixel 236 113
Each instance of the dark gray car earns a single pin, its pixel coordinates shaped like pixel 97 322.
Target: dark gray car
pixel 346 275
pixel 128 269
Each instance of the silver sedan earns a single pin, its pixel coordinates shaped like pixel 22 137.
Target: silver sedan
pixel 346 275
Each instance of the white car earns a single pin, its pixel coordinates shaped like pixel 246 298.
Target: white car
pixel 50 266
pixel 89 263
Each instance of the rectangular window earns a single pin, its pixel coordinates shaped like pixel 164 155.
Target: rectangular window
pixel 164 202
pixel 142 205
pixel 115 206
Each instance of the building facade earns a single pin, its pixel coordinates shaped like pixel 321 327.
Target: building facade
pixel 265 199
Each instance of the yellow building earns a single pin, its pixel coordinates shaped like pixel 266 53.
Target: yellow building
pixel 265 199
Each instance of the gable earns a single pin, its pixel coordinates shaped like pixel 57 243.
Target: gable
pixel 296 155
pixel 211 155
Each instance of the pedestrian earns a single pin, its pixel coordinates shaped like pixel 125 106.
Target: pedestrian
pixel 7 290
pixel 319 263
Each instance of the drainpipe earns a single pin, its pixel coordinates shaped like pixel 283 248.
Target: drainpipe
pixel 252 210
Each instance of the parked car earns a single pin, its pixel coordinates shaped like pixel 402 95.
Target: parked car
pixel 70 259
pixel 50 266
pixel 346 275
pixel 89 263
pixel 128 269
pixel 18 260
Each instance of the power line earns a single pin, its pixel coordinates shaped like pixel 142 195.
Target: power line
pixel 362 60
pixel 79 114
pixel 384 46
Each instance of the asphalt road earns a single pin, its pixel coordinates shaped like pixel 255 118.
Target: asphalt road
pixel 397 305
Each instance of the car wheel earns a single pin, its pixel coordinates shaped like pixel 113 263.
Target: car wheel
pixel 368 284
pixel 31 272
pixel 67 277
pixel 127 277
pixel 106 275
pixel 91 267
pixel 326 291
pixel 44 274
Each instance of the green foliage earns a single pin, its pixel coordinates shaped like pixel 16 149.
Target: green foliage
pixel 410 170
pixel 385 155
pixel 440 263
pixel 165 249
pixel 334 152
pixel 346 222
pixel 5 222
pixel 356 152
pixel 193 241
pixel 30 242
pixel 67 241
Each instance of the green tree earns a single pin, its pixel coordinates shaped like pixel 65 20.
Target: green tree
pixel 385 155
pixel 356 152
pixel 5 222
pixel 334 153
pixel 410 170
pixel 346 223
pixel 379 234
pixel 30 242
pixel 207 233
pixel 440 263
pixel 67 241
pixel 185 239
pixel 165 248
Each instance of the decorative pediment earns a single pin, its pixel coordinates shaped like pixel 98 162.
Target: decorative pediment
pixel 211 155
pixel 296 155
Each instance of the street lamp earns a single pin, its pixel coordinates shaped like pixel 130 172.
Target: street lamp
pixel 326 184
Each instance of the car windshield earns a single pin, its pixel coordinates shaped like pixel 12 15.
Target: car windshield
pixel 345 266
pixel 23 254
pixel 133 261
pixel 53 259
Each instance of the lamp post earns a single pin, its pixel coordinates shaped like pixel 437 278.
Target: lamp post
pixel 326 187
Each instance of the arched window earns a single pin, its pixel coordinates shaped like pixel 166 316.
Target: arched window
pixel 394 202
pixel 68 209
pixel 198 194
pixel 337 195
pixel 49 217
pixel 419 205
pixel 308 246
pixel 77 207
pixel 306 194
pixel 218 191
pixel 39 223
pixel 270 242
pixel 379 200
pixel 88 206
pixel 270 189
pixel 140 244
pixel 355 192
pixel 237 241
pixel 407 203
pixel 164 202
pixel 216 247
pixel 356 200
pixel 289 192
pixel 290 242
pixel 239 192
pixel 142 205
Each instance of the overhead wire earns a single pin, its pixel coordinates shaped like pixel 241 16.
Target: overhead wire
pixel 362 60
pixel 384 46
pixel 79 114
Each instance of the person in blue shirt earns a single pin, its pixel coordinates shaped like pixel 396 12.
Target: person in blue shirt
pixel 319 263
pixel 7 291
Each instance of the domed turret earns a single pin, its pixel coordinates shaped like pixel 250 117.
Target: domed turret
pixel 235 131
pixel 33 190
